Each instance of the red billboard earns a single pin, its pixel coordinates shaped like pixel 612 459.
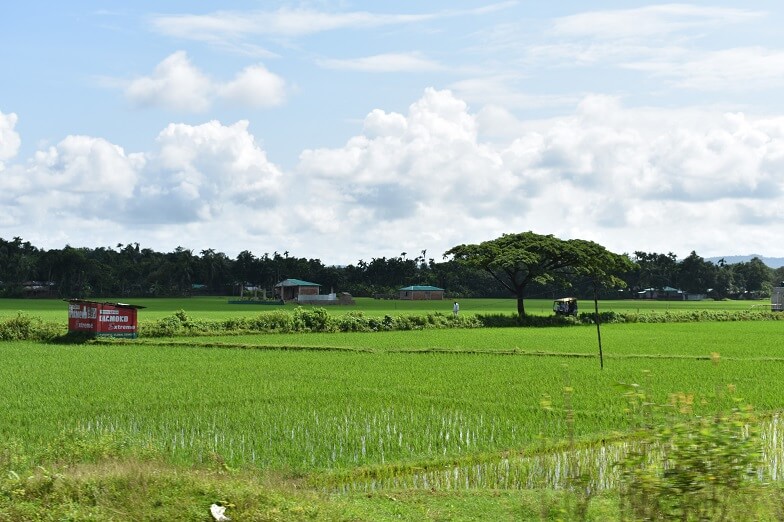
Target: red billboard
pixel 82 316
pixel 103 319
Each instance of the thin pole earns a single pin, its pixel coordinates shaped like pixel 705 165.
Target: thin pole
pixel 598 329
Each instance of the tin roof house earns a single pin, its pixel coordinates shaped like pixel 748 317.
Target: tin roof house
pixel 292 289
pixel 421 293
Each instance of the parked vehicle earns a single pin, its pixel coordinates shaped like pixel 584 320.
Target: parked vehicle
pixel 565 306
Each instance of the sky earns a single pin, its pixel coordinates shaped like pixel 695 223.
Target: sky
pixel 350 130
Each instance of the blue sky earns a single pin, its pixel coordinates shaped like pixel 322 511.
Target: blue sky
pixel 346 130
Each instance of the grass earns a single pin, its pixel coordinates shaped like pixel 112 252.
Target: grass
pixel 747 339
pixel 108 430
pixel 217 308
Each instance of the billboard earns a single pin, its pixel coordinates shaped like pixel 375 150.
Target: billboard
pixel 82 316
pixel 103 319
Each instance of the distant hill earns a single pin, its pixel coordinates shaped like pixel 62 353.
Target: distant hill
pixel 772 262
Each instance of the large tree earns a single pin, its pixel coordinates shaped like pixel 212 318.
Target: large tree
pixel 516 260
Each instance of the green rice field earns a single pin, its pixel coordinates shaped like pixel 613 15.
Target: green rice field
pixel 216 308
pixel 335 408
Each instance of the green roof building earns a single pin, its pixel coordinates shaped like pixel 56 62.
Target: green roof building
pixel 421 293
pixel 291 289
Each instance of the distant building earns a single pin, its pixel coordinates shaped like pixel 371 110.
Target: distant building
pixel 667 293
pixel 292 289
pixel 421 293
pixel 38 288
pixel 777 298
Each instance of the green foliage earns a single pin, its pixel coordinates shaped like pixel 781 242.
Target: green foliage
pixel 311 320
pixel 503 321
pixel 301 319
pixel 682 316
pixel 26 328
pixel 275 321
pixel 687 466
pixel 516 261
pixel 166 327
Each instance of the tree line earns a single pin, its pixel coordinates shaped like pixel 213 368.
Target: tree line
pixel 128 270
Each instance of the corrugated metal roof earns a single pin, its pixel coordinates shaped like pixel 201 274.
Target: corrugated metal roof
pixel 119 305
pixel 422 287
pixel 295 282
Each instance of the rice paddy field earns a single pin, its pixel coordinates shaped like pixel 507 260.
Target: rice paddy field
pixel 433 417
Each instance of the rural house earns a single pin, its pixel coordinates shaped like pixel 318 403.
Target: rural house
pixel 292 289
pixel 421 292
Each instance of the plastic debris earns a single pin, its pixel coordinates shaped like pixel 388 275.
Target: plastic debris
pixel 217 513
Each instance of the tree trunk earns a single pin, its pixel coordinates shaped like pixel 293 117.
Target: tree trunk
pixel 520 304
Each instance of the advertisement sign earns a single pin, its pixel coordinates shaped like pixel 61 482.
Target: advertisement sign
pixel 116 321
pixel 82 316
pixel 103 319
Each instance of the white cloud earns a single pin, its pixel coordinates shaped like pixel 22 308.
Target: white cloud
pixel 648 21
pixel 9 138
pixel 668 41
pixel 729 69
pixel 231 25
pixel 424 179
pixel 390 62
pixel 73 182
pixel 175 84
pixel 207 183
pixel 255 87
pixel 624 177
pixel 200 171
pixel 506 91
pixel 179 86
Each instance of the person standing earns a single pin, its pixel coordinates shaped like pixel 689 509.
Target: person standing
pixel 455 309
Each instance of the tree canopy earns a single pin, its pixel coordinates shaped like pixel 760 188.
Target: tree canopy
pixel 518 260
pixel 550 266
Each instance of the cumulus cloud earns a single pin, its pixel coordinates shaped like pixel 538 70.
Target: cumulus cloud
pixel 72 182
pixel 198 171
pixel 197 178
pixel 604 172
pixel 9 138
pixel 629 178
pixel 255 87
pixel 176 84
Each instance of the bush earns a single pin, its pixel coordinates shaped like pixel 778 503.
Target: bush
pixel 702 462
pixel 513 320
pixel 166 327
pixel 25 328
pixel 276 321
pixel 604 317
pixel 353 322
pixel 318 320
pixel 313 320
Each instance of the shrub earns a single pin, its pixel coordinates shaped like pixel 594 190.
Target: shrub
pixel 702 462
pixel 513 320
pixel 276 321
pixel 312 320
pixel 25 328
pixel 353 322
pixel 167 327
pixel 604 317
